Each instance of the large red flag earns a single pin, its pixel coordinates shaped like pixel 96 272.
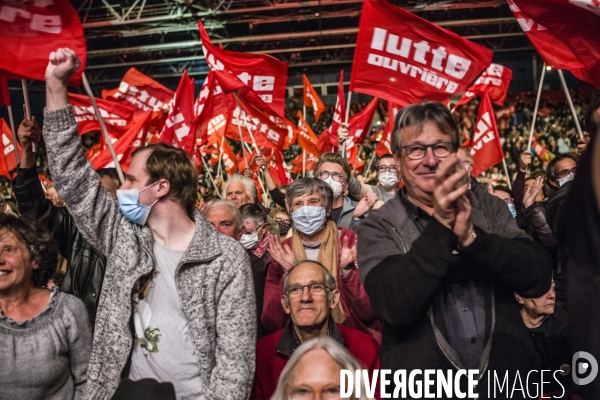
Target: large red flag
pixel 140 91
pixel 265 75
pixel 116 116
pixel 385 144
pixel 311 98
pixel 292 130
pixel 8 160
pixel 31 30
pixel 297 163
pixel 307 139
pixel 359 127
pixel 565 33
pixel 486 148
pixel 495 80
pixel 339 113
pixel 405 59
pixel 179 126
pixel 131 140
pixel 4 93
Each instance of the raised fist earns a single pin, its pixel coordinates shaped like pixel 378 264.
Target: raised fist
pixel 62 65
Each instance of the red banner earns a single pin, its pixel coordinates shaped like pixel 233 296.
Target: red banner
pixel 4 93
pixel 339 113
pixel 311 98
pixel 359 127
pixel 406 59
pixel 116 116
pixel 495 80
pixel 265 75
pixel 179 126
pixel 307 139
pixel 8 160
pixel 297 163
pixel 565 33
pixel 30 31
pixel 133 139
pixel 292 130
pixel 385 144
pixel 486 148
pixel 140 91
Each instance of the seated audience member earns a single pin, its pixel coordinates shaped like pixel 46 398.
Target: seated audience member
pixel 85 265
pixel 548 327
pixel 45 335
pixel 440 262
pixel 316 237
pixel 284 221
pixel 310 294
pixel 256 234
pixel 345 212
pixel 313 372
pixel 227 219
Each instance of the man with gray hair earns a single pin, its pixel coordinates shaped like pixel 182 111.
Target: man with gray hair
pixel 240 190
pixel 439 262
pixel 309 295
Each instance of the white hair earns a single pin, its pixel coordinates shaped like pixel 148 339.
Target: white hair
pixel 237 216
pixel 338 353
pixel 248 183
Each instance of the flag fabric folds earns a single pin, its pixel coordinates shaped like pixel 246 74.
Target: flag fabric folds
pixel 307 139
pixel 140 91
pixel 179 129
pixel 486 148
pixel 405 59
pixel 339 113
pixel 358 129
pixel 30 31
pixel 116 116
pixel 4 93
pixel 495 80
pixel 385 144
pixel 311 98
pixel 8 160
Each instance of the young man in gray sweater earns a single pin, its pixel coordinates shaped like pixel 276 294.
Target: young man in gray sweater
pixel 187 289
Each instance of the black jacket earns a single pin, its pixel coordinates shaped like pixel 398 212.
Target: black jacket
pixel 403 271
pixel 85 265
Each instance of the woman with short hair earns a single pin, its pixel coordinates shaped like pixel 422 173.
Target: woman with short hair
pixel 45 335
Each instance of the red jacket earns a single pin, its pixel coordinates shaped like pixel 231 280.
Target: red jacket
pixel 271 357
pixel 354 299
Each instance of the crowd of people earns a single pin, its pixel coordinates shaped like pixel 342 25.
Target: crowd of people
pixel 163 287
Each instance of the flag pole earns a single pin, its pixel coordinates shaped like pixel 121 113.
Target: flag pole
pixel 537 104
pixel 27 107
pixel 220 155
pixel 303 150
pixel 372 159
pixel 346 121
pixel 358 147
pixel 564 85
pixel 11 120
pixel 211 177
pixel 88 90
pixel 506 173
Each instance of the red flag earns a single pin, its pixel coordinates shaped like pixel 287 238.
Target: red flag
pixel 116 116
pixel 30 31
pixel 297 162
pixel 263 74
pixel 338 114
pixel 4 93
pixel 228 158
pixel 405 59
pixel 486 148
pixel 292 130
pixel 131 140
pixel 8 160
pixel 495 80
pixel 385 144
pixel 140 91
pixel 179 126
pixel 359 127
pixel 279 170
pixel 311 98
pixel 307 139
pixel 212 109
pixel 565 33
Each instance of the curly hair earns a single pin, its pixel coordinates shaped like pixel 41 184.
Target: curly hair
pixel 38 241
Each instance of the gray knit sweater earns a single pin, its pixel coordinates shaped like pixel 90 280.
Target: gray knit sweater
pixel 47 356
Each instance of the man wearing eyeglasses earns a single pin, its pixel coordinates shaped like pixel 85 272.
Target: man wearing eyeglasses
pixel 439 262
pixel 310 294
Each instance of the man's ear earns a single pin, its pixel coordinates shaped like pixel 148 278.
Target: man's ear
pixel 285 306
pixel 163 187
pixel 336 299
pixel 397 163
pixel 519 299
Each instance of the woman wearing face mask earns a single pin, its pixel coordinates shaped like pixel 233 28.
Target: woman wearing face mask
pixel 316 237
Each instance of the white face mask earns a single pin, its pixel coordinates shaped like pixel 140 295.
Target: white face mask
pixel 250 240
pixel 566 179
pixel 309 219
pixel 388 179
pixel 335 186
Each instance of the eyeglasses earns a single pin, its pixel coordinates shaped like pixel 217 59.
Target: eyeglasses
pixel 315 289
pixel 565 172
pixel 418 151
pixel 310 394
pixel 384 168
pixel 335 175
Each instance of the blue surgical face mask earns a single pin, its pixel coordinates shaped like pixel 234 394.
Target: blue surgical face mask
pixel 309 219
pixel 131 208
pixel 511 207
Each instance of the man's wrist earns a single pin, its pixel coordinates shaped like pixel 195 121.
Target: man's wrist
pixel 468 239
